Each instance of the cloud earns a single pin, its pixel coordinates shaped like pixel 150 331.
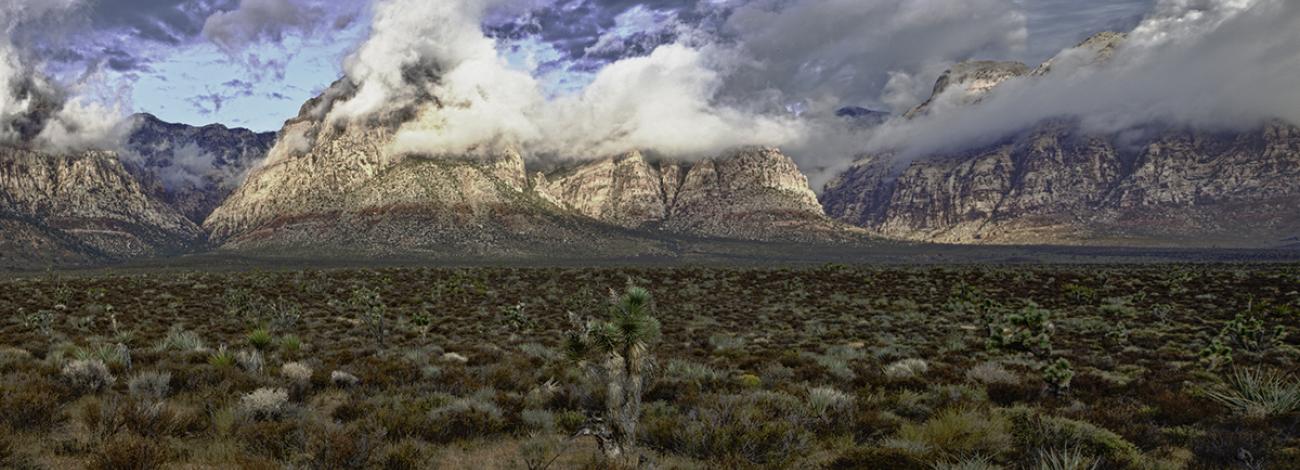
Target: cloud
pixel 35 110
pixel 257 21
pixel 697 95
pixel 1201 64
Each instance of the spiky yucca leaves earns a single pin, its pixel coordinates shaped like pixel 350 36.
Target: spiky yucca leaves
pixel 1259 392
pixel 616 351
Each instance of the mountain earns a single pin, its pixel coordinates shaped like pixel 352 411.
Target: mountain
pixel 965 83
pixel 192 168
pixel 754 193
pixel 84 206
pixel 342 186
pixel 1059 184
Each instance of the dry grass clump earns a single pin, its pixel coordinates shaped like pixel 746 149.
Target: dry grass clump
pixel 88 375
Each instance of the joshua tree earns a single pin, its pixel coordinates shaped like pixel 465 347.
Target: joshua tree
pixel 616 351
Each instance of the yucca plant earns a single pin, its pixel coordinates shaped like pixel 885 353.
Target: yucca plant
pixel 616 350
pixel 1258 392
pixel 260 338
pixel 222 358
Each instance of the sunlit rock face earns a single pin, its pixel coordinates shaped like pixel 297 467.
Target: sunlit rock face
pixel 87 201
pixel 748 193
pixel 1057 183
pixel 344 183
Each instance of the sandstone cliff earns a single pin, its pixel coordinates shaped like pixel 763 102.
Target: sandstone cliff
pixel 88 197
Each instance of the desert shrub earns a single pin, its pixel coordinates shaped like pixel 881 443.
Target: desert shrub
pixel 1216 355
pixel 956 433
pixel 827 405
pixel 125 451
pixel 221 358
pixel 342 379
pixel 992 373
pixel 265 404
pixel 906 369
pixel 275 439
pixel 678 370
pixel 466 418
pixel 1058 375
pixel 353 446
pixel 1065 458
pixel 974 462
pixel 88 375
pixel 1034 430
pixel 372 312
pixel 1258 392
pixel 10 456
pixel 759 428
pixel 150 386
pixel 41 322
pixel 296 372
pixel 871 457
pixel 1028 329
pixel 178 339
pixel 260 339
pixel 29 403
pixel 112 355
pixel 284 315
pixel 290 346
pixel 406 454
pixel 538 420
pixel 251 361
pixel 1249 333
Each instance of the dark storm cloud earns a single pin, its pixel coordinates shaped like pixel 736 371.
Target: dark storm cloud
pixel 166 21
pixel 574 27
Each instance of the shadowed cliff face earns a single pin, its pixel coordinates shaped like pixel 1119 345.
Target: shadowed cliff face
pixel 192 168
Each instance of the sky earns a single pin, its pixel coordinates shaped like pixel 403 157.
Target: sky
pixel 581 79
pixel 252 63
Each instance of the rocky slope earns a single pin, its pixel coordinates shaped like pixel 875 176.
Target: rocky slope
pixel 192 168
pixel 84 202
pixel 344 186
pixel 1056 183
pixel 755 193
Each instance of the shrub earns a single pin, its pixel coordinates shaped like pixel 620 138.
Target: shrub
pixel 759 428
pixel 1029 329
pixel 343 447
pixel 250 361
pixel 178 339
pixel 342 379
pixel 1066 459
pixel 956 433
pixel 265 403
pixel 1033 430
pixel 1258 393
pixel 150 386
pixel 284 315
pixel 296 372
pixel 30 404
pixel 690 372
pixel 826 403
pixel 1058 375
pixel 538 420
pixel 1216 355
pixel 126 451
pixel 1249 333
pixel 906 369
pixel 290 345
pixel 992 373
pixel 88 375
pixel 372 312
pixel 221 358
pixel 260 339
pixel 465 418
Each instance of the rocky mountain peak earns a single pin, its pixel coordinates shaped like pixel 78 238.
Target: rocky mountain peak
pixel 967 82
pixel 1097 49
